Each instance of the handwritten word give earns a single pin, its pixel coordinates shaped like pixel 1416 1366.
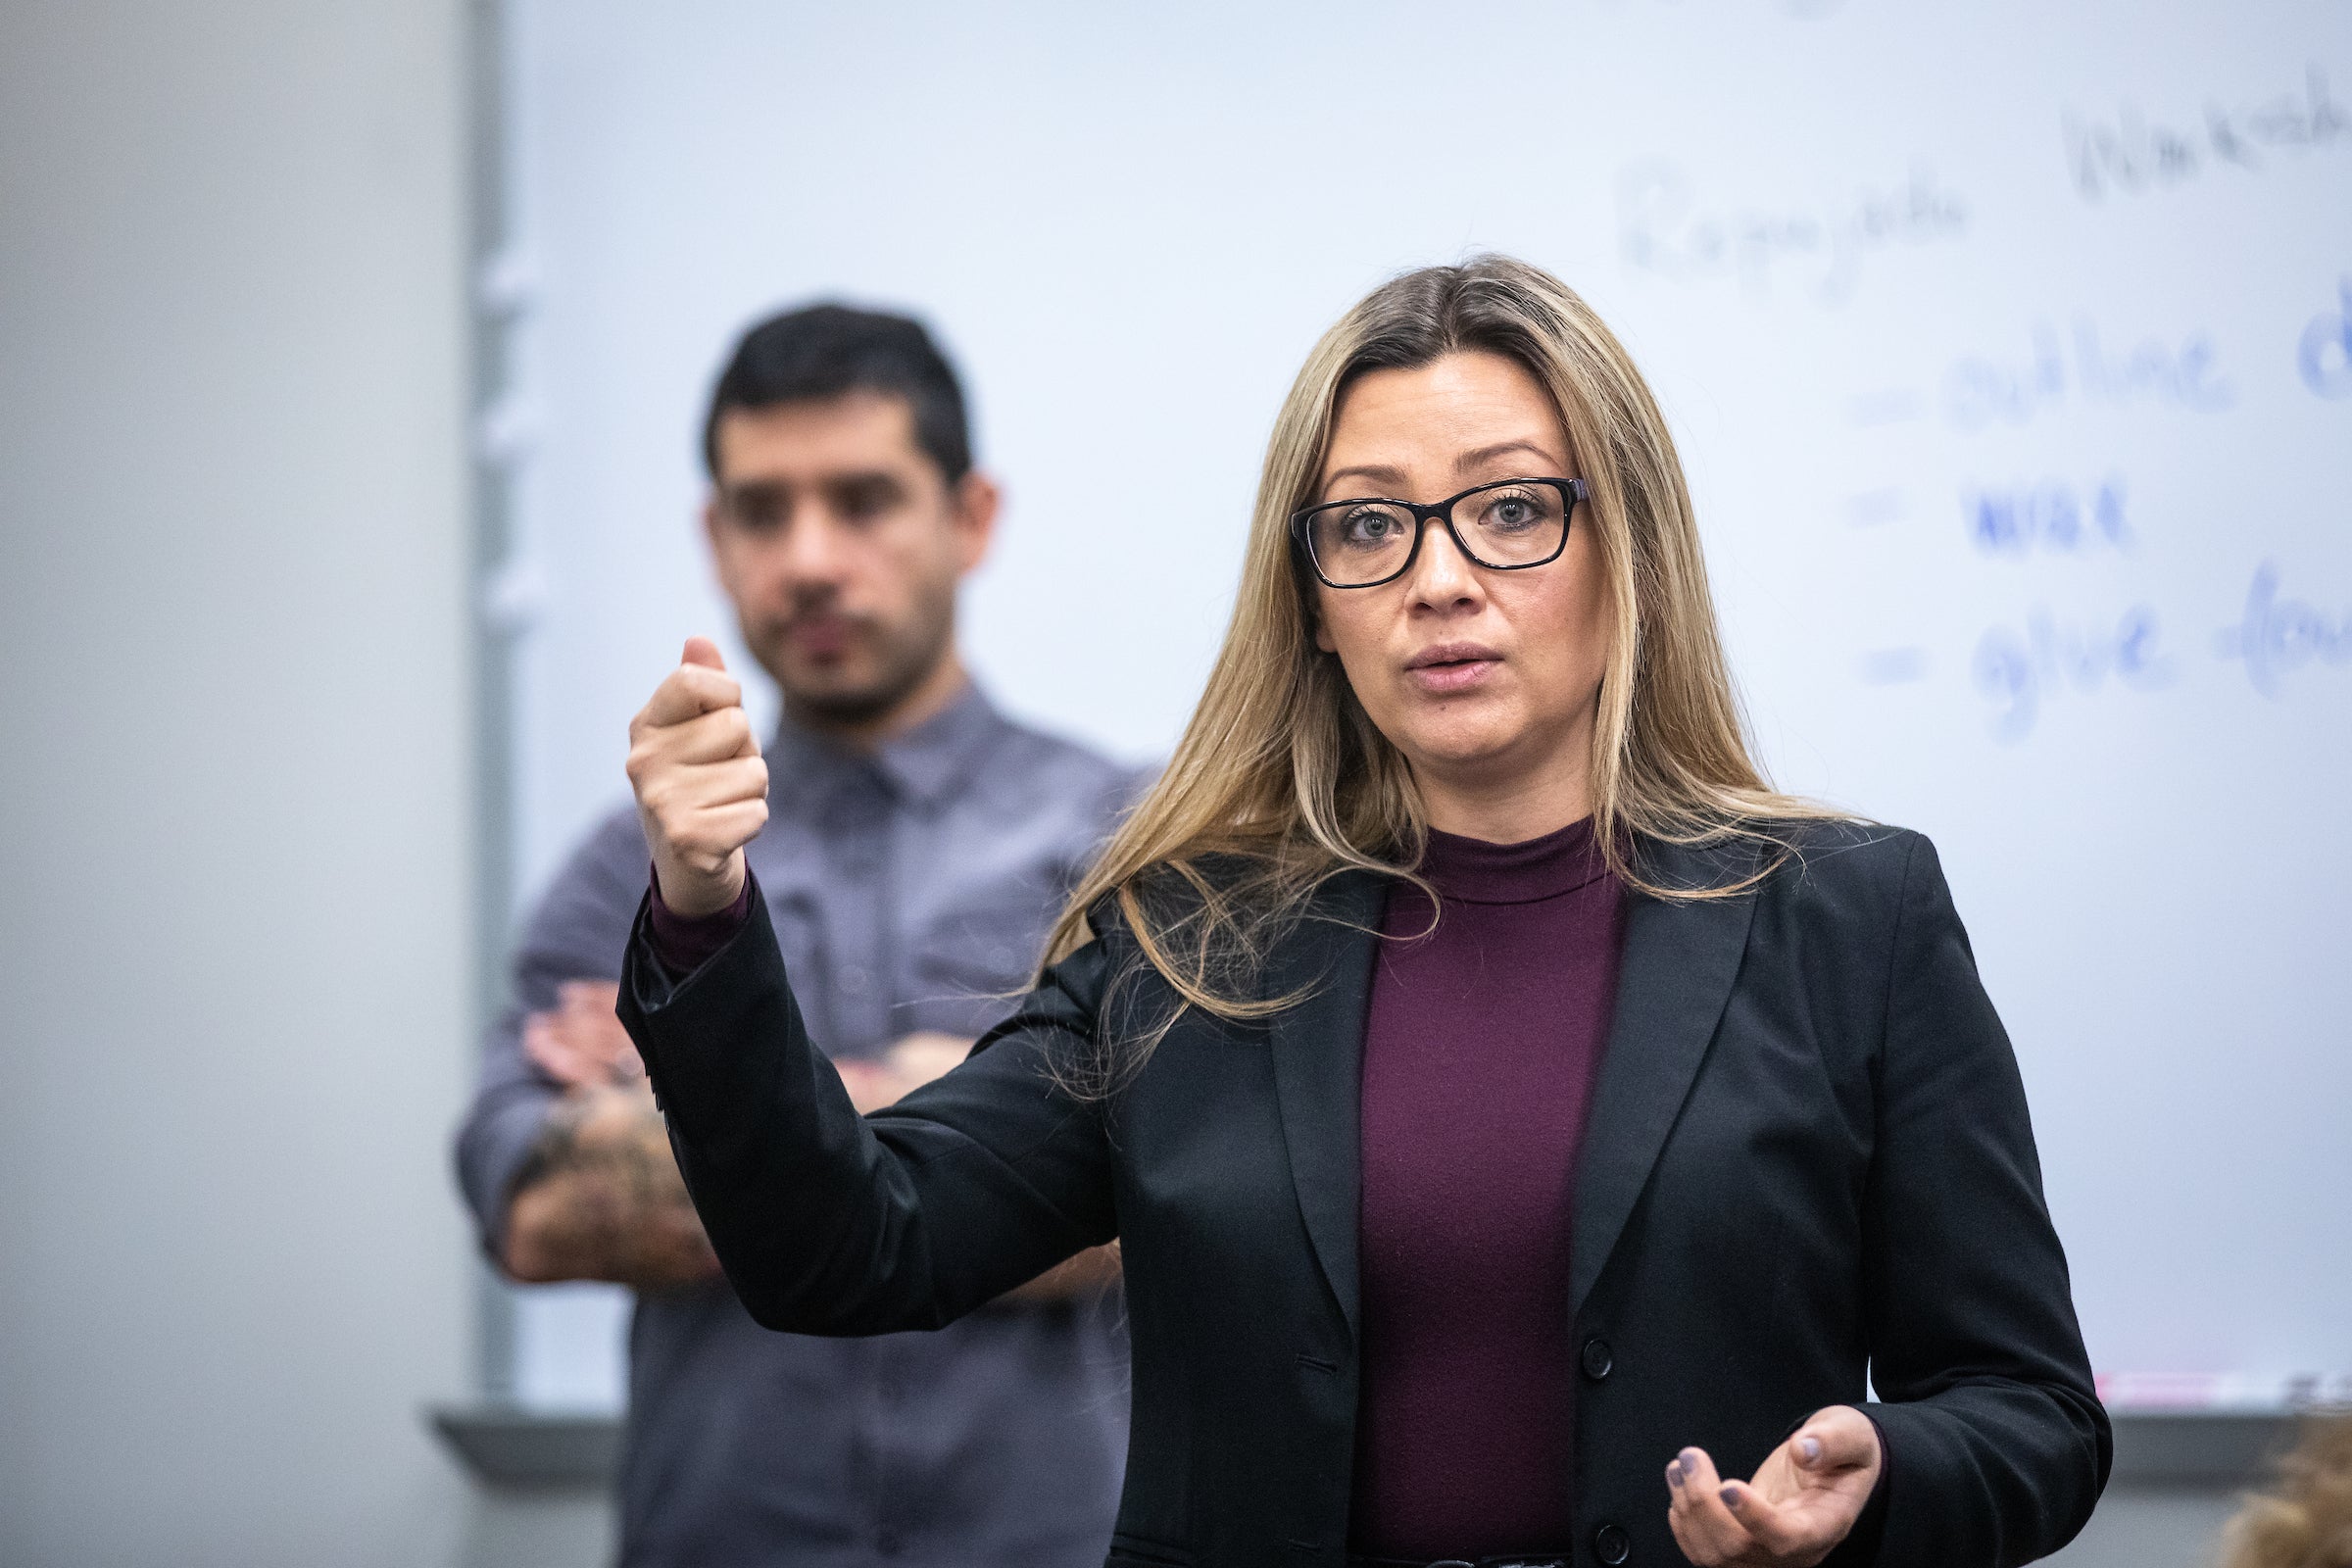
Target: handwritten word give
pixel 2323 356
pixel 1663 229
pixel 2280 636
pixel 2053 516
pixel 2133 153
pixel 2018 670
pixel 2079 368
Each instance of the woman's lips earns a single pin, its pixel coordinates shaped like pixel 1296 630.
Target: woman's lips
pixel 1452 668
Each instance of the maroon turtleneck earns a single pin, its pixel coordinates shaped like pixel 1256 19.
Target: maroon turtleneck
pixel 1481 1049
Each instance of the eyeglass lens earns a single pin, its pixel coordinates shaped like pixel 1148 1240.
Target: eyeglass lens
pixel 1356 542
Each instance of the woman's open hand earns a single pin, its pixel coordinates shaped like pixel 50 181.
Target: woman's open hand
pixel 701 788
pixel 1803 1501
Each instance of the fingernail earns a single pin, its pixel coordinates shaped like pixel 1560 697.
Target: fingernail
pixel 1731 1496
pixel 1689 1460
pixel 1809 1449
pixel 1674 1475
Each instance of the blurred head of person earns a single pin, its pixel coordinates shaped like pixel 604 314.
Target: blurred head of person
pixel 2306 1520
pixel 844 512
pixel 1473 571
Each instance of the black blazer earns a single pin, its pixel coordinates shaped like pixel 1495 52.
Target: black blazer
pixel 1808 1157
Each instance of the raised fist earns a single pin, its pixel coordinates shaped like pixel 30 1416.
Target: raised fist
pixel 702 787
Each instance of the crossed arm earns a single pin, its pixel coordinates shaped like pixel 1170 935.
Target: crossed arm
pixel 600 1197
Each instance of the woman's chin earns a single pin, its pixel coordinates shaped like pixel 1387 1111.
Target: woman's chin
pixel 1465 750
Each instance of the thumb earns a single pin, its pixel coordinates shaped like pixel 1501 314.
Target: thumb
pixel 703 652
pixel 1829 1441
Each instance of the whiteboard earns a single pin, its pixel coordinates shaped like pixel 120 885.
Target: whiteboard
pixel 2006 344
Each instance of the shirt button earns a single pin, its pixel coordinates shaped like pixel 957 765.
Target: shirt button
pixel 1596 1361
pixel 1611 1544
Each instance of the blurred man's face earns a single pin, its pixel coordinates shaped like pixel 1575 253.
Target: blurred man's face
pixel 840 544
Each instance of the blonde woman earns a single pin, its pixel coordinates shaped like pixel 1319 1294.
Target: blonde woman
pixel 1524 1128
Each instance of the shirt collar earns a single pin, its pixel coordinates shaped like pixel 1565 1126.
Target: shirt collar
pixel 924 765
pixel 1474 872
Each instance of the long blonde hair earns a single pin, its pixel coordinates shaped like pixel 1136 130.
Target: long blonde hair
pixel 1281 782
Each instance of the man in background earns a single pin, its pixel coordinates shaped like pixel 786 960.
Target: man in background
pixel 918 844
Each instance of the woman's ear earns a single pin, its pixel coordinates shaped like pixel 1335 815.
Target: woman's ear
pixel 1322 633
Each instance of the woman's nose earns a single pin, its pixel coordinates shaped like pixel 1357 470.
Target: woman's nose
pixel 1443 576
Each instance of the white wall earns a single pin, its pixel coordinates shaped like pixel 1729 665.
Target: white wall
pixel 234 934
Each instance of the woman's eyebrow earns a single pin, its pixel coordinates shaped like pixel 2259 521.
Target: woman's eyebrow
pixel 1478 457
pixel 1377 472
pixel 1481 456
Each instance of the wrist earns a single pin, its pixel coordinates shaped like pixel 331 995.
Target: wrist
pixel 697 895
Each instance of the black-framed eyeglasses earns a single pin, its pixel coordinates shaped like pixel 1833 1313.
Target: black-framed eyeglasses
pixel 1509 525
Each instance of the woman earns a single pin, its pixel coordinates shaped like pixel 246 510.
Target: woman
pixel 1524 1130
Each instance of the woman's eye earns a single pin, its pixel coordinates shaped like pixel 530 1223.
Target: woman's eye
pixel 1369 526
pixel 1512 513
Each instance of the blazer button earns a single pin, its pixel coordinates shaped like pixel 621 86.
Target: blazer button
pixel 1611 1544
pixel 1596 1359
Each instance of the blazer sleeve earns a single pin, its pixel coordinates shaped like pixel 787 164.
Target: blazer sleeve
pixel 1998 1445
pixel 829 1222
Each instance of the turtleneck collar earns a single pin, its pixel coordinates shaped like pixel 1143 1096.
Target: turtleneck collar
pixel 1475 871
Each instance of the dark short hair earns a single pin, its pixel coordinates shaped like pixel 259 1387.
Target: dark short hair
pixel 823 352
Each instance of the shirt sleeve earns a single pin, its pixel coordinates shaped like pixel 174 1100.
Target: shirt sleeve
pixel 829 1222
pixel 1860 1547
pixel 577 931
pixel 1988 1404
pixel 684 943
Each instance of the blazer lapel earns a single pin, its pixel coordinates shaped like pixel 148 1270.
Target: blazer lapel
pixel 1318 1066
pixel 1672 985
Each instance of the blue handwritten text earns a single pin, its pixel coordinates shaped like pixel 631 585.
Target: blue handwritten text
pixel 1663 229
pixel 2323 356
pixel 2019 668
pixel 2280 636
pixel 2053 516
pixel 2079 367
pixel 2131 152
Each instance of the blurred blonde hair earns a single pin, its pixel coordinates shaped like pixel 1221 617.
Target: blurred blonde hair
pixel 2306 1522
pixel 1281 782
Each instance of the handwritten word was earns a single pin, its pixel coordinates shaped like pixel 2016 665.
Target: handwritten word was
pixel 2077 367
pixel 2133 154
pixel 2280 636
pixel 2053 516
pixel 2019 668
pixel 1662 228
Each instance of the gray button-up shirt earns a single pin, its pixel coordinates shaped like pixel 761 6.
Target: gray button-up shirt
pixel 910 890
